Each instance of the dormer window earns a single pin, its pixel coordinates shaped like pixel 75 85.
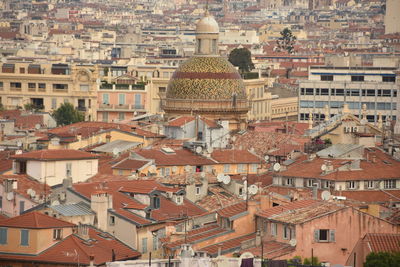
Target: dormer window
pixel 179 200
pixel 156 202
pixel 57 234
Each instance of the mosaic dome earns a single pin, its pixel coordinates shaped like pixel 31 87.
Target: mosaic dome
pixel 206 78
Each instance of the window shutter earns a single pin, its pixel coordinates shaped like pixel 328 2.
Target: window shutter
pixel 3 236
pixel 365 185
pixel 332 235
pixel 316 235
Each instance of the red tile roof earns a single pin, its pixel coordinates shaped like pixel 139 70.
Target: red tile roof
pixel 385 167
pixel 181 157
pixel 67 251
pixel 291 206
pixel 24 182
pixel 383 242
pixel 271 250
pixel 130 164
pixel 35 220
pixel 217 198
pixel 264 179
pixel 122 202
pixel 55 154
pixel 228 245
pixel 180 121
pixel 234 156
pixel 5 160
pixel 370 196
pixel 232 210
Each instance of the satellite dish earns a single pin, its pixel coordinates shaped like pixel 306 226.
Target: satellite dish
pixel 325 195
pixel 323 167
pixel 266 158
pixel 203 175
pixel 293 242
pixel 199 149
pixel 19 143
pixel 10 196
pixel 174 169
pixel 220 177
pixel 226 179
pixel 33 193
pixel 18 152
pixel 277 167
pixel 55 203
pixel 37 126
pixel 210 150
pixel 29 191
pixel 253 189
pixel 233 138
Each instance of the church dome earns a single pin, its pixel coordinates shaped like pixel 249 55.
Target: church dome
pixel 205 78
pixel 207 25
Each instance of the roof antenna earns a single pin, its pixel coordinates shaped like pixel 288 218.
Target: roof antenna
pixel 206 13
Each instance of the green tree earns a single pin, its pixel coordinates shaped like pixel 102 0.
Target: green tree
pixel 67 114
pixel 241 57
pixel 383 259
pixel 286 41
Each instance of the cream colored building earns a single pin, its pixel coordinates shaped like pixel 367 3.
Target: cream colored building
pixel 392 18
pixel 53 166
pixel 47 86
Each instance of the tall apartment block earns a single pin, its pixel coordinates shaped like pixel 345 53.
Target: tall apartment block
pixel 47 86
pixel 330 87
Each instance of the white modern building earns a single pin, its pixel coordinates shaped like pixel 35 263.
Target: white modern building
pixel 328 88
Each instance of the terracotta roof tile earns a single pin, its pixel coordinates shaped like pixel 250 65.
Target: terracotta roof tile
pixel 24 182
pixel 234 156
pixel 232 210
pixel 35 220
pixel 180 121
pixel 217 198
pixel 291 206
pixel 228 245
pixel 181 157
pixel 130 164
pixel 65 251
pixel 55 154
pixel 383 242
pixel 271 250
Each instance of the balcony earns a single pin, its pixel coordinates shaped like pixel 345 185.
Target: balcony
pixel 117 107
pixel 81 108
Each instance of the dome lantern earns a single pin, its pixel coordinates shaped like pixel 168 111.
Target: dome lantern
pixel 207 32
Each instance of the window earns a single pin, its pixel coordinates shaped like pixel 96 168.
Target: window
pixel 357 78
pixel 370 184
pixel 371 92
pixel 15 85
pixel 254 167
pixel 156 202
pixel 68 169
pixel 21 206
pixel 155 242
pixel 106 99
pixel 121 116
pixel 144 245
pixel 227 168
pixel 112 220
pixel 241 191
pixel 138 101
pixel 24 237
pixel 121 99
pixel 240 168
pixel 167 171
pixel 310 183
pixel 274 229
pixel 286 232
pixel 105 116
pixel 3 236
pixel 59 86
pixel 324 91
pixel 326 77
pixel 1 85
pixel 57 234
pixel 339 92
pixel 162 89
pixel 309 91
pixel 355 92
pixel 389 79
pixel 389 184
pixel 179 199
pixel 198 190
pixel 31 85
pixel 54 103
pixel 42 86
pixel 288 181
pixel 1 202
pixel 324 235
pixel 351 185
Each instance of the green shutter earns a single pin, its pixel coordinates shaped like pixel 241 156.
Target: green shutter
pixel 3 236
pixel 316 235
pixel 332 235
pixel 24 237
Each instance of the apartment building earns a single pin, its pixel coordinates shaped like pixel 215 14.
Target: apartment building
pixel 47 86
pixel 331 87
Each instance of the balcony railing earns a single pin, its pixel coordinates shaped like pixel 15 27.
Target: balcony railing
pixel 81 108
pixel 206 105
pixel 117 107
pixel 110 86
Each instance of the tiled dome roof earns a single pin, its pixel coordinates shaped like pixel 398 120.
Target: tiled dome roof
pixel 206 78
